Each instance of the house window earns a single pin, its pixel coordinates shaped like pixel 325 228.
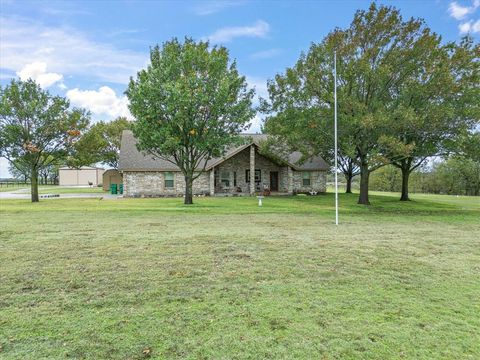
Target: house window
pixel 169 180
pixel 216 176
pixel 306 178
pixel 234 178
pixel 258 175
pixel 225 178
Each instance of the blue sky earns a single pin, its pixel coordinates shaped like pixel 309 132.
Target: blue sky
pixel 87 50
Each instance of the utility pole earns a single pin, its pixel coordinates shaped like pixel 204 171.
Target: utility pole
pixel 336 145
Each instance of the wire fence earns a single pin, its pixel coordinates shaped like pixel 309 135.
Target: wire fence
pixel 19 183
pixel 13 184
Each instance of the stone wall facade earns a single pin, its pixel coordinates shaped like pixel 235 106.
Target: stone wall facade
pixel 237 166
pixel 318 182
pixel 152 183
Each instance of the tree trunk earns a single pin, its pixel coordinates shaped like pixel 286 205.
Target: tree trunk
pixel 349 178
pixel 188 190
pixel 364 177
pixel 34 184
pixel 405 177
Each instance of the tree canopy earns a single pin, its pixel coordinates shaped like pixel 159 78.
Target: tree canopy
pixel 438 102
pixel 190 104
pixel 37 128
pixel 100 144
pixel 378 54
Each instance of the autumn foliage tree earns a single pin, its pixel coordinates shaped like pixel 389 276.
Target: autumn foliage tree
pixel 36 128
pixel 190 104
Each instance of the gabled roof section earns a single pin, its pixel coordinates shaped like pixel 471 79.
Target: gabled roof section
pixel 233 151
pixel 293 159
pixel 133 160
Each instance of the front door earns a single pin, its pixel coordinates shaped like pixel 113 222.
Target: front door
pixel 273 180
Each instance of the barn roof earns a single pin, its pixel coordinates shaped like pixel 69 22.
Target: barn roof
pixel 81 168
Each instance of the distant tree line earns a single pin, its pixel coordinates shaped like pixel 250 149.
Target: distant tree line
pixel 47 174
pixel 458 174
pixel 451 177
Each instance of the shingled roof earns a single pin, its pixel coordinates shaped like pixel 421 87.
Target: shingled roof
pixel 133 160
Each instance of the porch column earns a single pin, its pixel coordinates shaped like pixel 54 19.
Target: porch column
pixel 290 180
pixel 252 170
pixel 212 181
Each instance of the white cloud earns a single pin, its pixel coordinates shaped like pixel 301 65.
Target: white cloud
pixel 66 51
pixel 476 26
pixel 469 27
pixel 103 101
pixel 259 29
pixel 459 12
pixel 265 54
pixel 38 71
pixel 464 27
pixel 255 124
pixel 211 7
pixel 4 173
pixel 260 86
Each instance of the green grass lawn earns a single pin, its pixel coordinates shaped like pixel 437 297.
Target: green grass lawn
pixel 9 188
pixel 225 279
pixel 54 189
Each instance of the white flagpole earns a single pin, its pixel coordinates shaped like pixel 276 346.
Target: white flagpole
pixel 336 150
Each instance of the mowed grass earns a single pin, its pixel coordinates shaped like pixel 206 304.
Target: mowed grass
pixel 10 188
pixel 54 189
pixel 225 279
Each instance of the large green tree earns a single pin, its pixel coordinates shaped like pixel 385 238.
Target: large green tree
pixel 100 144
pixel 36 128
pixel 468 146
pixel 437 103
pixel 376 54
pixel 190 104
pixel 458 175
pixel 465 163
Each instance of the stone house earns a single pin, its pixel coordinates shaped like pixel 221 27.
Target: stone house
pixel 241 171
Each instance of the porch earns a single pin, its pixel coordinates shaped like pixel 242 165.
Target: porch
pixel 248 172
